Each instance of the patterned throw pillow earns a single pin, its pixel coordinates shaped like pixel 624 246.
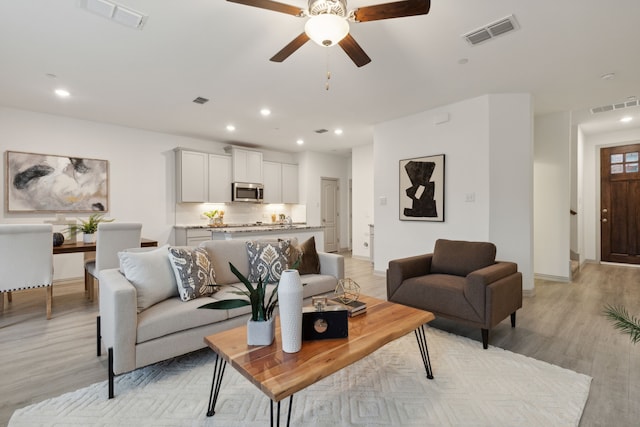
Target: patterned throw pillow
pixel 267 260
pixel 194 272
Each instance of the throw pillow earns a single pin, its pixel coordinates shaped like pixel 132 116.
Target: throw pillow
pixel 193 272
pixel 308 256
pixel 267 260
pixel 150 273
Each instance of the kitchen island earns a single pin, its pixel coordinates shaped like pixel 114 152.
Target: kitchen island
pixel 192 235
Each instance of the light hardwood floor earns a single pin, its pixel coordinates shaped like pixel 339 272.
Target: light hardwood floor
pixel 563 324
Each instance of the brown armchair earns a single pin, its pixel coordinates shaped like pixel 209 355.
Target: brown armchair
pixel 460 281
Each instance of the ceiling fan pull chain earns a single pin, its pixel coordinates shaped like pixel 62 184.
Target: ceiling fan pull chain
pixel 328 71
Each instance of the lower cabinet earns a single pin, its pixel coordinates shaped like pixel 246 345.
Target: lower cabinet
pixel 191 236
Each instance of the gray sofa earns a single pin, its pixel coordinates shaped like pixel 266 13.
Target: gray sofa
pixel 172 327
pixel 460 281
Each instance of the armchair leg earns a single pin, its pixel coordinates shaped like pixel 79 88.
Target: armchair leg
pixel 9 297
pixel 110 369
pixel 513 319
pixel 49 300
pixel 485 338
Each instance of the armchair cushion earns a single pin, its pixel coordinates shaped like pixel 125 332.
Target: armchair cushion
pixel 460 257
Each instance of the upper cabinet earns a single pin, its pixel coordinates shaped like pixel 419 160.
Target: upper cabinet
pixel 247 166
pixel 202 177
pixel 280 182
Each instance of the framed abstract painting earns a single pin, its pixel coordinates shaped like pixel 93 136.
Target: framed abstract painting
pixel 422 189
pixel 53 183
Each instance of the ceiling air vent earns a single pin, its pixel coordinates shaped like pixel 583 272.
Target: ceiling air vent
pixel 495 29
pixel 616 106
pixel 200 100
pixel 321 131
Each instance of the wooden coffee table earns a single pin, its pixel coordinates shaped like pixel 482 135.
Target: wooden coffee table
pixel 279 375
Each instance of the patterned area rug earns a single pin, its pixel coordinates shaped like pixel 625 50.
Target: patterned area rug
pixel 472 387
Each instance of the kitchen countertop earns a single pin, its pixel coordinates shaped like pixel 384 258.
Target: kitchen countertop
pixel 252 228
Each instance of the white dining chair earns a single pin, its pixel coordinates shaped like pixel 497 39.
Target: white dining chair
pixel 112 237
pixel 26 254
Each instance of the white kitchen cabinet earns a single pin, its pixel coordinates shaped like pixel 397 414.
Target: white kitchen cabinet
pixel 272 175
pixel 191 236
pixel 289 183
pixel 280 182
pixel 220 176
pixel 192 182
pixel 247 166
pixel 202 177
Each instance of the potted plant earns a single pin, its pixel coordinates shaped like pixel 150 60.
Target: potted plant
pixel 261 325
pixel 212 215
pixel 88 227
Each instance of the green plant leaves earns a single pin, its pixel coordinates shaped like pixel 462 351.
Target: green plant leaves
pixel 623 321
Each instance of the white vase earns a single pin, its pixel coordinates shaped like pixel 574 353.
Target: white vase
pixel 261 333
pixel 290 303
pixel 88 237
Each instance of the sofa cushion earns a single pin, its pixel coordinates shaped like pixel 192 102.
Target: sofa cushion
pixel 306 252
pixel 267 260
pixel 194 272
pixel 223 252
pixel 460 258
pixel 150 273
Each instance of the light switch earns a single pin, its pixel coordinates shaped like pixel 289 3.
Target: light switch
pixel 470 197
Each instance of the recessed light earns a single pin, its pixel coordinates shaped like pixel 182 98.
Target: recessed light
pixel 62 93
pixel 300 142
pixel 626 119
pixel 231 128
pixel 608 76
pixel 338 131
pixel 265 112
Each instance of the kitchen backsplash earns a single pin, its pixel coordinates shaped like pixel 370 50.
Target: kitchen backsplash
pixel 238 213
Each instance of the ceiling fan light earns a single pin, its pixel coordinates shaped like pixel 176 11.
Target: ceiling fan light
pixel 326 29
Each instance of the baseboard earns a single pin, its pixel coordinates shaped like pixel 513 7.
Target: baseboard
pixel 360 257
pixel 552 278
pixel 379 273
pixel 68 281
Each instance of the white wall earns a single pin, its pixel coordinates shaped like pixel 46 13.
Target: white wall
pixel 591 183
pixel 362 185
pixel 552 196
pixel 312 168
pixel 486 143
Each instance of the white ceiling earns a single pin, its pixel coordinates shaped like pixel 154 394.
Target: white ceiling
pixel 219 50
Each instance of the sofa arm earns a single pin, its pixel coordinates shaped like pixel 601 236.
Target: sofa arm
pixel 331 264
pixel 477 282
pixel 404 268
pixel 118 319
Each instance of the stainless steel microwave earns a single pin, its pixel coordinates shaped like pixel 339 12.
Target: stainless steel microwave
pixel 247 192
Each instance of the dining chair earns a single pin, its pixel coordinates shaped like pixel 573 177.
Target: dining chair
pixel 112 237
pixel 26 251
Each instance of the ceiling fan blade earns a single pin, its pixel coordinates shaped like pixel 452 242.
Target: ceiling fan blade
pixel 272 5
pixel 396 9
pixel 355 52
pixel 290 48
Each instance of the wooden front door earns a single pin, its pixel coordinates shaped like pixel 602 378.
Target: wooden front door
pixel 620 204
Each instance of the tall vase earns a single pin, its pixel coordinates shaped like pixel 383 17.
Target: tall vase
pixel 290 303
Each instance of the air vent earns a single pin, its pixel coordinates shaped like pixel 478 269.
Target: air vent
pixel 495 29
pixel 321 131
pixel 616 106
pixel 200 100
pixel 115 12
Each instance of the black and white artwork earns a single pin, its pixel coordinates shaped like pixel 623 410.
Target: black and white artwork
pixel 52 183
pixel 422 189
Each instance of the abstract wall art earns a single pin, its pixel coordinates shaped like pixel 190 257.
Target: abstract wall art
pixel 52 183
pixel 422 189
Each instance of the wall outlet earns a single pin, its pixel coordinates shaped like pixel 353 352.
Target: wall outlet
pixel 470 197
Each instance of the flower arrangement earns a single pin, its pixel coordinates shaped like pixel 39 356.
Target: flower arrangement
pixel 211 214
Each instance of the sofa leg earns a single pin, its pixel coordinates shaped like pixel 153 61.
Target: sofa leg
pixel 485 338
pixel 513 319
pixel 110 368
pixel 98 337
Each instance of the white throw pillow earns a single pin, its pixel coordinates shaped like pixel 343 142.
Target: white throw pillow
pixel 151 274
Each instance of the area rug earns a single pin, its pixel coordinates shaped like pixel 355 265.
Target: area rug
pixel 472 387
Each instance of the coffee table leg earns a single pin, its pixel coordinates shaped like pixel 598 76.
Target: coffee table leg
pixel 278 414
pixel 424 351
pixel 218 372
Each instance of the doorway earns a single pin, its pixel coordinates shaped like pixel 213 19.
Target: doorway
pixel 330 213
pixel 620 204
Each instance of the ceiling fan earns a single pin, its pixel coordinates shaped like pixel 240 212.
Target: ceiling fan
pixel 328 22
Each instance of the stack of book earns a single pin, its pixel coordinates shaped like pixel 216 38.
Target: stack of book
pixel 354 308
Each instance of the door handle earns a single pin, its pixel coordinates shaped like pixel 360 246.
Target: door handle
pixel 604 219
